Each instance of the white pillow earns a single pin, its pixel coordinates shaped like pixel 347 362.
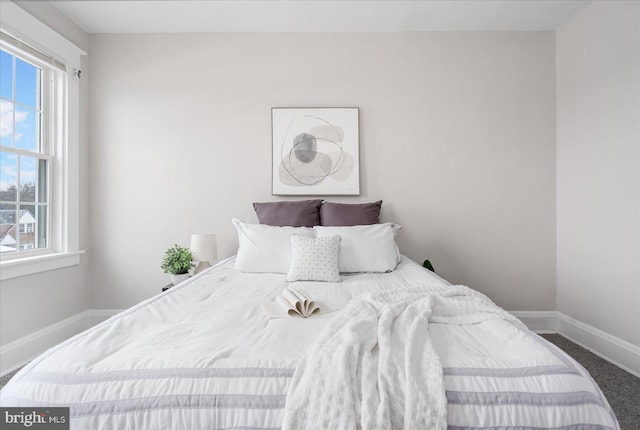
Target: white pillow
pixel 365 248
pixel 314 259
pixel 265 248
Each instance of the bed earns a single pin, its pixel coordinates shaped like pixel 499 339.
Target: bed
pixel 203 355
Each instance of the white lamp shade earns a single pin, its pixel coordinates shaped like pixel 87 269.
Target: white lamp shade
pixel 204 247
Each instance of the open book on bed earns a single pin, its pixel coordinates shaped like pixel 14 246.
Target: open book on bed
pixel 291 303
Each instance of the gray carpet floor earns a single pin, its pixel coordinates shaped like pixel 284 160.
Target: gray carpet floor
pixel 621 388
pixel 5 378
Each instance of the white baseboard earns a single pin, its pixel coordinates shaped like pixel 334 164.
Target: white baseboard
pixel 613 349
pixel 96 316
pixel 538 321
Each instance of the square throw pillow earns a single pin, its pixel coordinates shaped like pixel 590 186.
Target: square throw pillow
pixel 343 214
pixel 365 248
pixel 264 248
pixel 304 213
pixel 314 259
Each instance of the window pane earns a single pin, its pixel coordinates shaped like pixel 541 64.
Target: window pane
pixel 41 190
pixel 28 174
pixel 8 177
pixel 27 84
pixel 6 70
pixel 8 233
pixel 23 179
pixel 27 129
pixel 26 230
pixel 41 226
pixel 6 123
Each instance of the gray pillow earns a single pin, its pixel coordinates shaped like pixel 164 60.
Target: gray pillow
pixel 303 213
pixel 342 214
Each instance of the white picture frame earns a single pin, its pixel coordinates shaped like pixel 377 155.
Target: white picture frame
pixel 315 151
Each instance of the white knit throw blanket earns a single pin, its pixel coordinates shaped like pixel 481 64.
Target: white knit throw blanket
pixel 374 366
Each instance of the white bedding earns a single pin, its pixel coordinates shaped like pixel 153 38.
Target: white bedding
pixel 203 355
pixel 377 361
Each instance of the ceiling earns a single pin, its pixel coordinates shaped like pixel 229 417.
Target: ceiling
pixel 193 16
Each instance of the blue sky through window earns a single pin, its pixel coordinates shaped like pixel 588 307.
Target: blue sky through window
pixel 27 80
pixel 19 118
pixel 8 170
pixel 6 87
pixel 25 133
pixel 6 123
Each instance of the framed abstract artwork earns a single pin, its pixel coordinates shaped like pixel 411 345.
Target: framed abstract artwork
pixel 315 151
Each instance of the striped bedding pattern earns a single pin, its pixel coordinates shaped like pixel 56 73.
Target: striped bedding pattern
pixel 202 356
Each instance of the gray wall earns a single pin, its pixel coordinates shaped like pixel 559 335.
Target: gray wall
pixel 457 136
pixel 598 84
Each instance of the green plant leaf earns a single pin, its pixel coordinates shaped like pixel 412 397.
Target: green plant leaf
pixel 177 260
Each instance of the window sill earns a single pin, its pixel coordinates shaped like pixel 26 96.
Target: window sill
pixel 30 265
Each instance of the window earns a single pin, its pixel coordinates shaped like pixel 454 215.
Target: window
pixel 26 228
pixel 26 98
pixel 39 146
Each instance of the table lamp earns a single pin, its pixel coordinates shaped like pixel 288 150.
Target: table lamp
pixel 204 249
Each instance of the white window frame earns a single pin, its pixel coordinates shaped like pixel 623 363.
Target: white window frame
pixel 64 180
pixel 49 81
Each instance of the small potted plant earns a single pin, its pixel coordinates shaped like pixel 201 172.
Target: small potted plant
pixel 177 262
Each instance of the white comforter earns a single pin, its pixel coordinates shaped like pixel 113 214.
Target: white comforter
pixel 203 355
pixel 377 362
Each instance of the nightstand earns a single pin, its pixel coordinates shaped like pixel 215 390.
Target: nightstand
pixel 166 287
